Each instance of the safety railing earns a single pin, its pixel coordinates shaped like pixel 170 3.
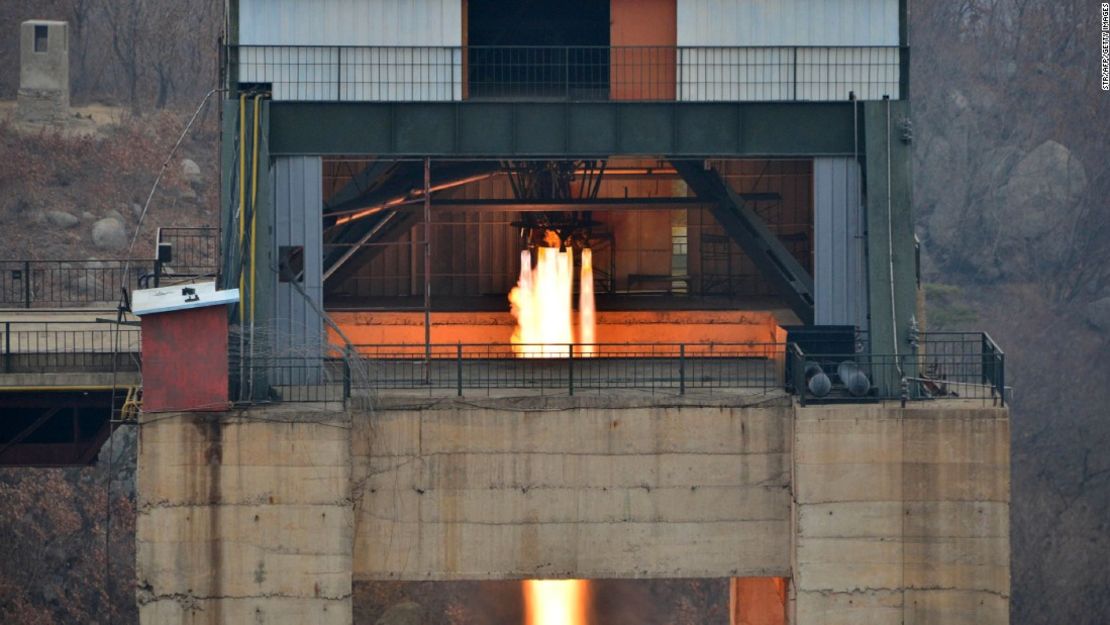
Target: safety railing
pixel 67 283
pixel 967 365
pixel 68 346
pixel 571 73
pixel 570 369
pixel 193 252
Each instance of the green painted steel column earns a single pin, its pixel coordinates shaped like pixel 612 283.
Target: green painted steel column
pixel 891 259
pixel 266 260
pixel 229 195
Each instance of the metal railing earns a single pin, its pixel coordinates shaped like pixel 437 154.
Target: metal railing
pixel 967 365
pixel 195 252
pixel 67 283
pixel 68 346
pixel 563 369
pixel 85 283
pixel 572 73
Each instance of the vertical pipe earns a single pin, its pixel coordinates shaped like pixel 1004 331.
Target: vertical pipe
pixel 570 369
pixel 458 367
pixel 347 355
pixel 242 233
pixel 682 369
pixel 427 269
pixel 256 114
pixel 7 347
pixel 26 284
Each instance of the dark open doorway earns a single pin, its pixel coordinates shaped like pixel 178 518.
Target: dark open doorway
pixel 556 49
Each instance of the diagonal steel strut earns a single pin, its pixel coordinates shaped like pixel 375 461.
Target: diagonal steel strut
pixel 745 227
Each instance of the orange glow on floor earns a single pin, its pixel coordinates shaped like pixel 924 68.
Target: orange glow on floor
pixel 556 602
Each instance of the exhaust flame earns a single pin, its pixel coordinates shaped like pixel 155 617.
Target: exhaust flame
pixel 542 302
pixel 556 601
pixel 587 318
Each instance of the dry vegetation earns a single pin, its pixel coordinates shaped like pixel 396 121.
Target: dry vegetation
pixel 92 175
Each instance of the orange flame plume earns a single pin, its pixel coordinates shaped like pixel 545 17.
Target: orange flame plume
pixel 542 302
pixel 556 601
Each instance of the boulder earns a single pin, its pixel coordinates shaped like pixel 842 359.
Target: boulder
pixel 190 171
pixel 109 234
pixel 1098 314
pixel 1041 197
pixel 61 219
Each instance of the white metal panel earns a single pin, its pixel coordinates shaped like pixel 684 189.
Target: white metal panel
pixel 410 49
pixel 787 23
pixel 298 329
pixel 350 22
pixel 840 279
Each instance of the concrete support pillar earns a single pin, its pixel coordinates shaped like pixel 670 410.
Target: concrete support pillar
pixel 889 202
pixel 902 515
pixel 244 520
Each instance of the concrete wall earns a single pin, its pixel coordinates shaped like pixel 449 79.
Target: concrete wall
pixel 878 514
pixel 557 491
pixel 902 515
pixel 244 518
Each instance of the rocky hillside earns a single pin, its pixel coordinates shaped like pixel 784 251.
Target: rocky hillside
pixel 77 192
pixel 1011 191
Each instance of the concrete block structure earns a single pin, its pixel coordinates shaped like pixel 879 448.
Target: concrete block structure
pixel 43 71
pixel 873 514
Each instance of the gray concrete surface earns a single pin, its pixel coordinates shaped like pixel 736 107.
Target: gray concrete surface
pixel 876 514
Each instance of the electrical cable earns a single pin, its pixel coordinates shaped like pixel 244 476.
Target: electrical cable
pixel 253 233
pixel 121 309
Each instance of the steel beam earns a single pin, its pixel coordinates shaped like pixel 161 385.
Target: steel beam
pixel 542 206
pixel 360 184
pixel 555 130
pixel 745 227
pixel 30 429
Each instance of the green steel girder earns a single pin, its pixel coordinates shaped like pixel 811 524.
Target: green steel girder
pixel 745 227
pixel 471 129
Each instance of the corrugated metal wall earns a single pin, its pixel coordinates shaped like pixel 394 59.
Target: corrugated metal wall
pixel 410 49
pixel 840 280
pixel 298 206
pixel 745 50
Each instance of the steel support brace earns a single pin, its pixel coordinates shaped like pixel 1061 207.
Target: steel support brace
pixel 745 227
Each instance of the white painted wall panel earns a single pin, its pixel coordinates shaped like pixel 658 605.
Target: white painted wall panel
pixel 410 49
pixel 840 280
pixel 350 22
pixel 787 22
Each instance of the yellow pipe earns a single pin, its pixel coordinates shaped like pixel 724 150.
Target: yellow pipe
pixel 242 187
pixel 254 198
